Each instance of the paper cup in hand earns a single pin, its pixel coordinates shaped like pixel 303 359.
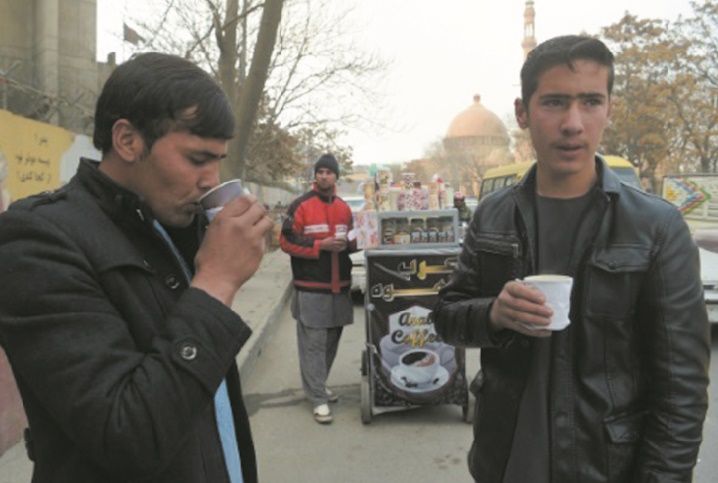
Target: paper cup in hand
pixel 215 199
pixel 557 290
pixel 340 232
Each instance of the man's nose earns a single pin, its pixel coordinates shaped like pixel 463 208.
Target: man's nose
pixel 573 119
pixel 209 177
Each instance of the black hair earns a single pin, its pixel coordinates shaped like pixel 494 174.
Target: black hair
pixel 159 93
pixel 564 50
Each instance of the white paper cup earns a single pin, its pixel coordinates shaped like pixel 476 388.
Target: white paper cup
pixel 214 200
pixel 340 232
pixel 557 290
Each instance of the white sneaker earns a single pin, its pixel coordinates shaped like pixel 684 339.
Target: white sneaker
pixel 322 414
pixel 331 396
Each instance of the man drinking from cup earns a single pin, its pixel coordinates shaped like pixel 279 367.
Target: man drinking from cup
pixel 619 394
pixel 116 306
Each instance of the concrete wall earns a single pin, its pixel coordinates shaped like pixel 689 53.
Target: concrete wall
pixel 52 44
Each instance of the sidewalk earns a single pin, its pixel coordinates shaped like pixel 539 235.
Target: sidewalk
pixel 259 302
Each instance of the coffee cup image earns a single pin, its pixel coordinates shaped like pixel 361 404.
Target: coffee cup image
pixel 214 200
pixel 419 366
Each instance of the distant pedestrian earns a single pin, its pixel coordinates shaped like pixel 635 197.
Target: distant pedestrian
pixel 317 234
pixel 460 205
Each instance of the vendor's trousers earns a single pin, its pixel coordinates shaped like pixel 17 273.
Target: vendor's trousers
pixel 317 350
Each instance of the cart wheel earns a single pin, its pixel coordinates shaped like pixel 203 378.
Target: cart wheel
pixel 365 390
pixel 469 409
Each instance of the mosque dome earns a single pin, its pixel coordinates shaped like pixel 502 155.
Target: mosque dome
pixel 478 122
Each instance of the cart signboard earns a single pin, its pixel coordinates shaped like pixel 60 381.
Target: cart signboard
pixel 410 364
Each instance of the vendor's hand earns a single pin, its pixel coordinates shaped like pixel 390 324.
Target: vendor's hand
pixel 520 306
pixel 232 248
pixel 333 244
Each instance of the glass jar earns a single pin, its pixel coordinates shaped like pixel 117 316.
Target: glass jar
pixel 402 236
pixel 447 229
pixel 388 229
pixel 432 229
pixel 418 230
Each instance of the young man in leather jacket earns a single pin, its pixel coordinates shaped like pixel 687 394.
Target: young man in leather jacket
pixel 620 395
pixel 116 307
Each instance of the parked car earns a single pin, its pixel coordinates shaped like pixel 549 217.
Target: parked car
pixel 355 202
pixel 358 272
pixel 707 241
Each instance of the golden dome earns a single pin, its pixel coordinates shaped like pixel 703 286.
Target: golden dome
pixel 477 121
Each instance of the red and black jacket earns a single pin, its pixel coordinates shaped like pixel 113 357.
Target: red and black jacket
pixel 311 218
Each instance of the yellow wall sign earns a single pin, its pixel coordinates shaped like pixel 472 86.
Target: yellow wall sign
pixel 36 157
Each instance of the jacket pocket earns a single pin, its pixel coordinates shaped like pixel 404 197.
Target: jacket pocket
pixel 625 428
pixel 498 262
pixel 624 433
pixel 615 276
pixel 476 386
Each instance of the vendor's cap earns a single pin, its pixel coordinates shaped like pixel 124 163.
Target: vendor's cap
pixel 327 161
pixel 458 196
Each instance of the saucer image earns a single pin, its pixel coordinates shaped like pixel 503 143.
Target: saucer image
pixel 400 381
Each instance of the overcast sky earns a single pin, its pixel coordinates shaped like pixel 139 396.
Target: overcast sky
pixel 443 53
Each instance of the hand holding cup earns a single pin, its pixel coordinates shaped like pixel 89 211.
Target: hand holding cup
pixel 234 243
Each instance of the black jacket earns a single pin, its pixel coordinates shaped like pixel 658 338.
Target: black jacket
pixel 628 376
pixel 116 359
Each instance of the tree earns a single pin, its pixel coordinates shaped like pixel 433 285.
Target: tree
pixel 643 128
pixel 665 116
pixel 697 107
pixel 301 59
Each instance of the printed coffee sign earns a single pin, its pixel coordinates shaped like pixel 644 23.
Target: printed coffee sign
pixel 411 364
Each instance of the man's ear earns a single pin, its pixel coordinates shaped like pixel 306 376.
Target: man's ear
pixel 522 117
pixel 127 140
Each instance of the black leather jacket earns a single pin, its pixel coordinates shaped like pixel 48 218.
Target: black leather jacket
pixel 629 375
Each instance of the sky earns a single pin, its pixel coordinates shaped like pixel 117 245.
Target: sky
pixel 442 54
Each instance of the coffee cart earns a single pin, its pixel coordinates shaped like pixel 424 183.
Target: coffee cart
pixel 405 364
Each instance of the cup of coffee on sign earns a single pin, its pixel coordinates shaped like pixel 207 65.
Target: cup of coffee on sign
pixel 419 366
pixel 215 199
pixel 557 290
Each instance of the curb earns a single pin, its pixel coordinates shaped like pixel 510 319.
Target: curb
pixel 261 303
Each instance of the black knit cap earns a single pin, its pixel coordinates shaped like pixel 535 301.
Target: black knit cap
pixel 327 161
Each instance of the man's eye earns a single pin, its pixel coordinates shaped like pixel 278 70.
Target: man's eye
pixel 554 103
pixel 196 161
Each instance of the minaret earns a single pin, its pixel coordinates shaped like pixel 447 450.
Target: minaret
pixel 529 41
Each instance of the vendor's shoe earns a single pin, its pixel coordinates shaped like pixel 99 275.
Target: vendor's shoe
pixel 322 414
pixel 331 396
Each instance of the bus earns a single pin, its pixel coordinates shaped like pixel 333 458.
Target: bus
pixel 496 178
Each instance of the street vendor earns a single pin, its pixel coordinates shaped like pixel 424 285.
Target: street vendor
pixel 315 233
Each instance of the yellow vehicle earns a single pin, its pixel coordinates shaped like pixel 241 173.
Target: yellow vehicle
pixel 497 178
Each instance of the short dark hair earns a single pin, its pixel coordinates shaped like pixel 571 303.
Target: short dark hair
pixel 564 50
pixel 159 93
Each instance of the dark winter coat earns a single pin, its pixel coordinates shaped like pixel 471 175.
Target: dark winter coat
pixel 116 359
